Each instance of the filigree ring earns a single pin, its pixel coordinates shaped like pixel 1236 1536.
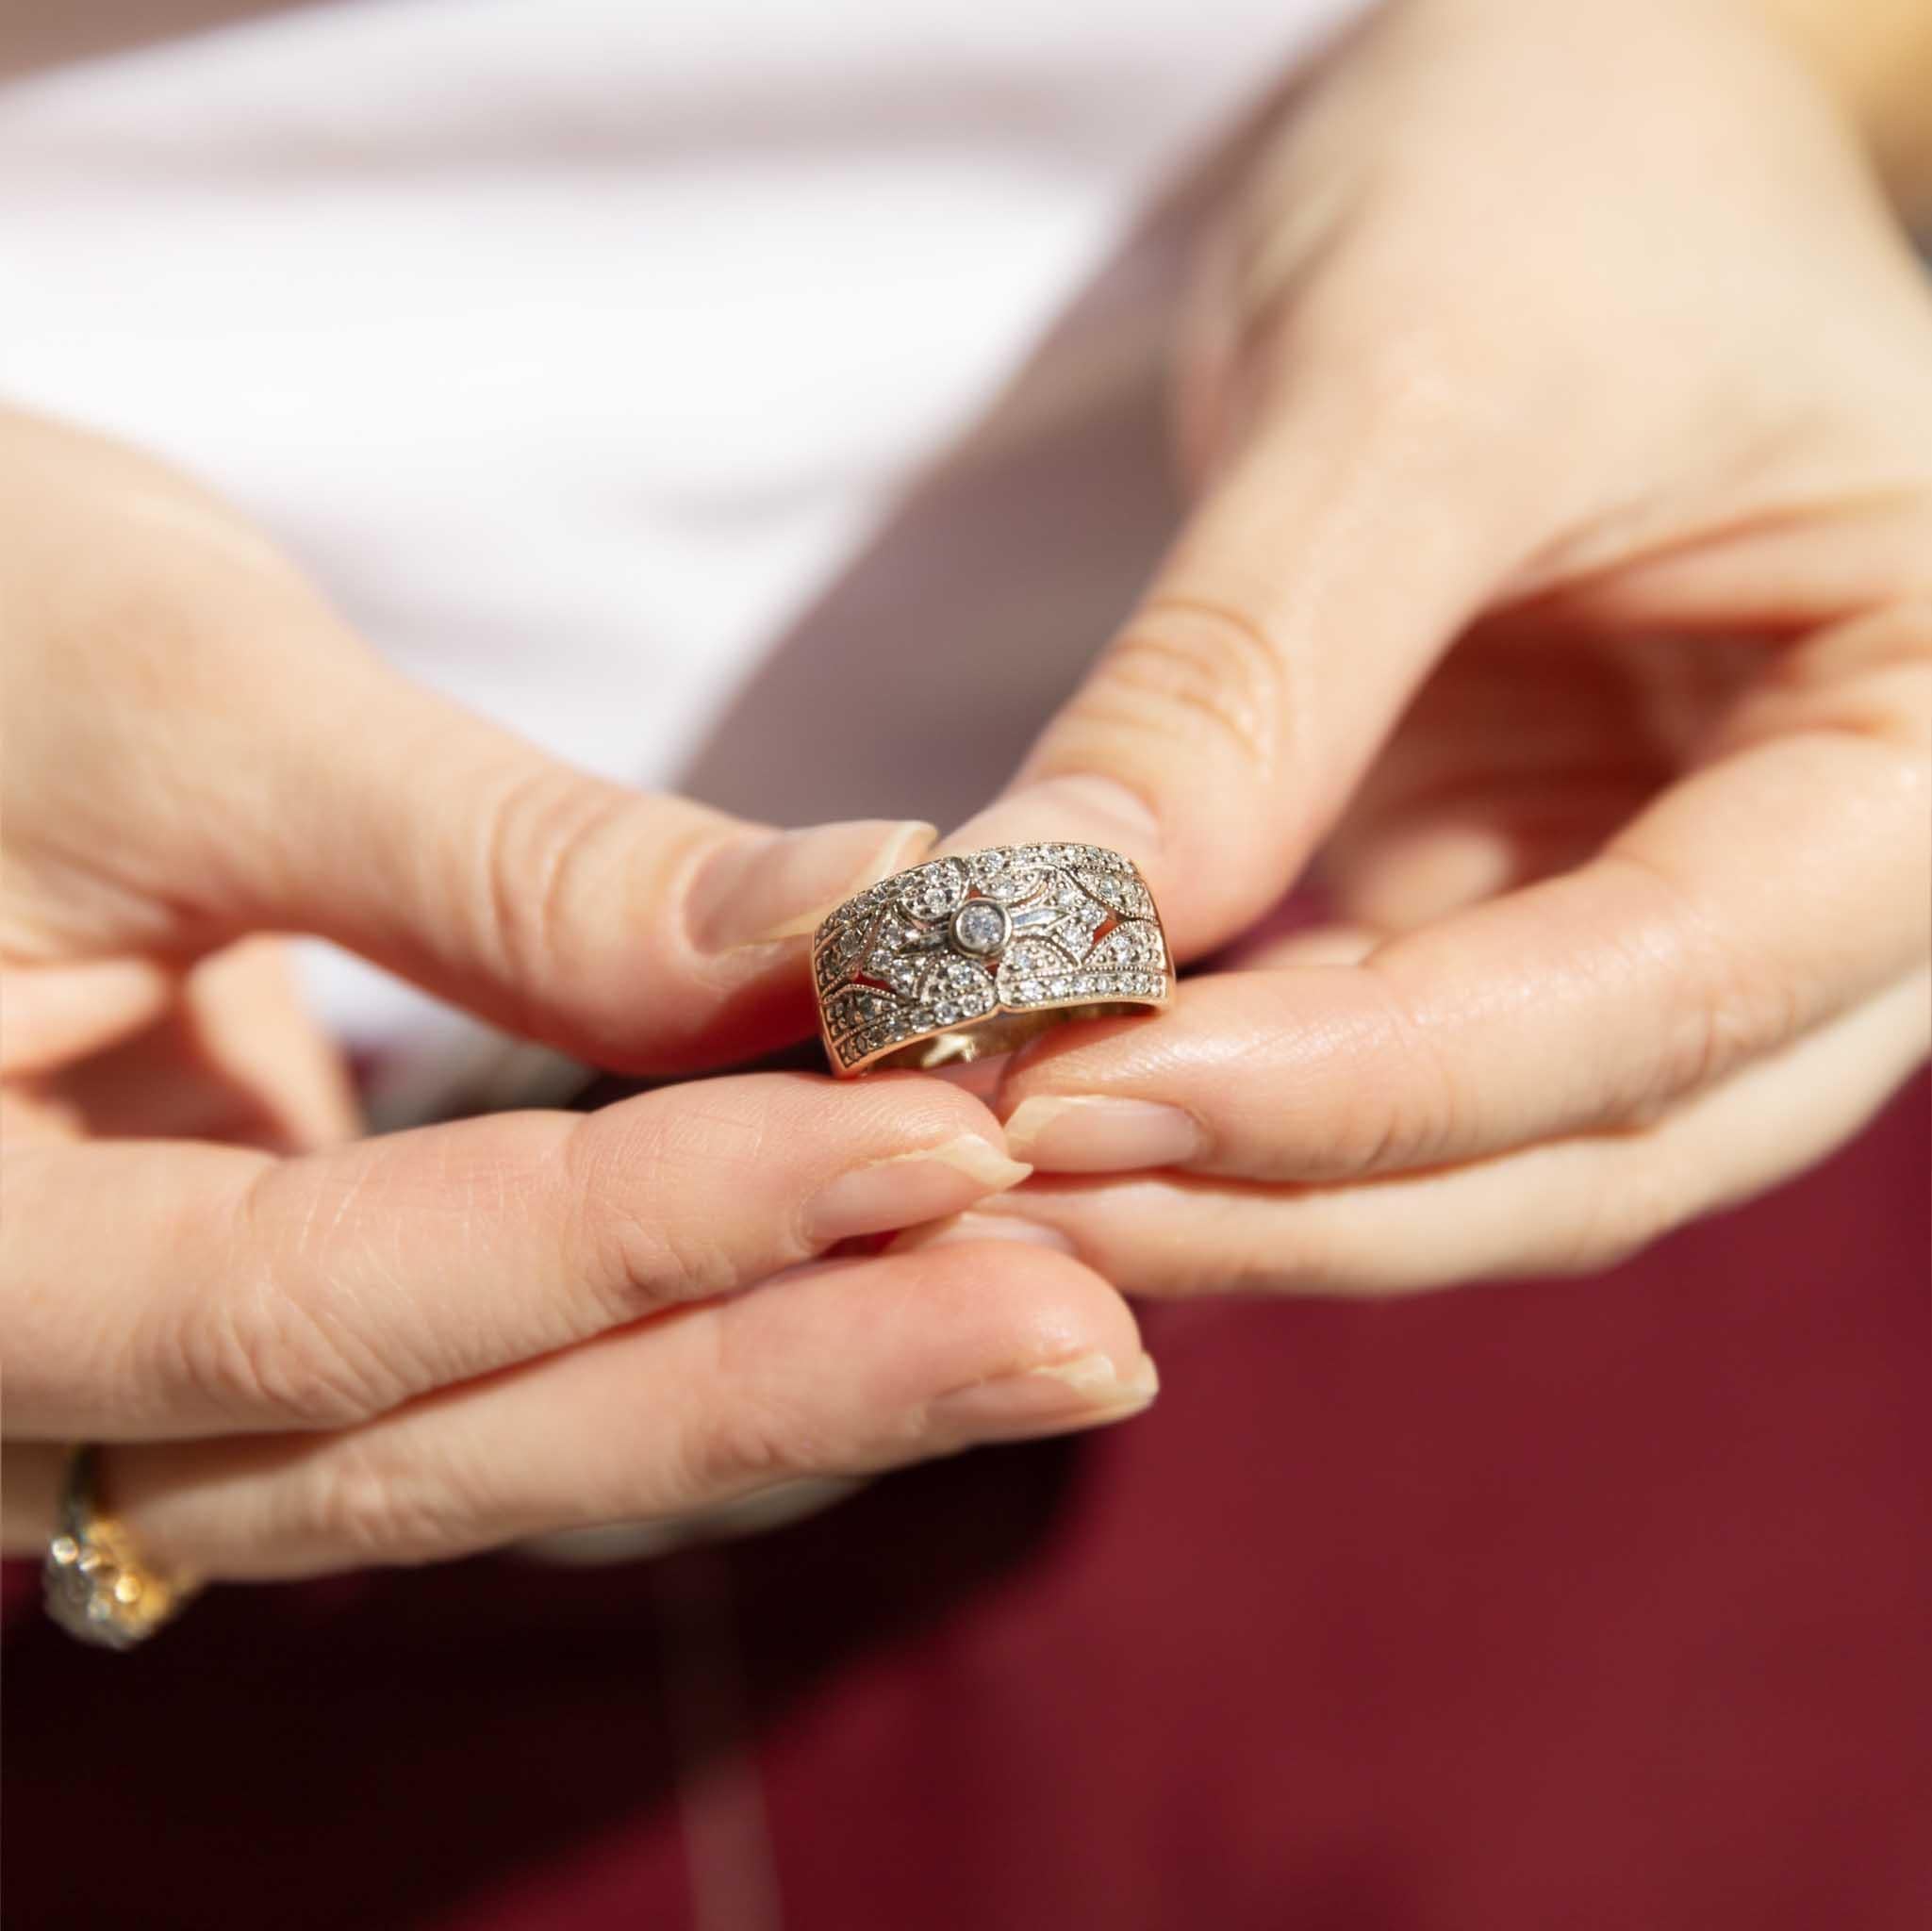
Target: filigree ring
pixel 961 958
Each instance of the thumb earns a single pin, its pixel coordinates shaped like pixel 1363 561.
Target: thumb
pixel 215 752
pixel 636 932
pixel 1361 522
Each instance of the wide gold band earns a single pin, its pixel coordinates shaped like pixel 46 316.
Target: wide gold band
pixel 961 958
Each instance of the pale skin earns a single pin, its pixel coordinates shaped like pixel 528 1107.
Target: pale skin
pixel 1561 584
pixel 306 1351
pixel 1564 365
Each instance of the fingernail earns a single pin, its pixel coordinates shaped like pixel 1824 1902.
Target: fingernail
pixel 907 1188
pixel 961 1228
pixel 1101 1133
pixel 1093 810
pixel 1084 1393
pixel 781 886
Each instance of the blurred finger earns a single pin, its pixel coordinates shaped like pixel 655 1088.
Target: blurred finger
pixel 52 1013
pixel 237 1058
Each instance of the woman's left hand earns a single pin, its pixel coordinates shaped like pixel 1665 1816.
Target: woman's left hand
pixel 1565 392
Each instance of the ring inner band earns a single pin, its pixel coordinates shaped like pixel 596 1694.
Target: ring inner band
pixel 986 1039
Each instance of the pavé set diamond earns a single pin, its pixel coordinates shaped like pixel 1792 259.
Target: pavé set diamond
pixel 957 943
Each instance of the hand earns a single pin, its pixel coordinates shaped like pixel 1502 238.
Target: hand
pixel 1563 392
pixel 306 1354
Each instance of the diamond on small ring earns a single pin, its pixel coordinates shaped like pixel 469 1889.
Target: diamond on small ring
pixel 982 927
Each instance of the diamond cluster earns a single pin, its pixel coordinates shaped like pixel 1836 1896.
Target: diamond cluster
pixel 1015 928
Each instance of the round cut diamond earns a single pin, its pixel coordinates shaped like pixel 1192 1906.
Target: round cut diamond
pixel 979 927
pixel 932 890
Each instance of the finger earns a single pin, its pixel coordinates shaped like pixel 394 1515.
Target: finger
pixel 1568 1206
pixel 282 778
pixel 635 931
pixel 1523 752
pixel 1369 513
pixel 28 1113
pixel 227 1291
pixel 237 1058
pixel 845 1369
pixel 1751 902
pixel 1325 944
pixel 52 1013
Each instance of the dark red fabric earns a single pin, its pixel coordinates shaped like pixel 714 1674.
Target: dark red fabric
pixel 1581 1604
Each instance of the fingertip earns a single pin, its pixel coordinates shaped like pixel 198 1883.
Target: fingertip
pixel 906 1189
pixel 1093 1132
pixel 1019 1305
pixel 766 887
pixel 1063 1398
pixel 58 1012
pixel 917 1111
pixel 1065 1354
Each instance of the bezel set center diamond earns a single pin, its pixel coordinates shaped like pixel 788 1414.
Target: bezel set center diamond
pixel 982 927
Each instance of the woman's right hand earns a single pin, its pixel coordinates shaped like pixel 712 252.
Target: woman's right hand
pixel 305 1354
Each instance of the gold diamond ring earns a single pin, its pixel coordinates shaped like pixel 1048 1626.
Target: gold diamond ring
pixel 961 958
